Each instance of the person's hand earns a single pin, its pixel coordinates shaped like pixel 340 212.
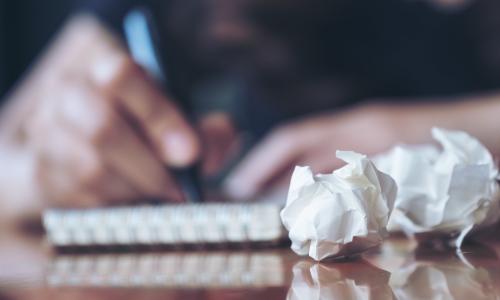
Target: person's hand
pixel 312 142
pixel 94 129
pixel 220 139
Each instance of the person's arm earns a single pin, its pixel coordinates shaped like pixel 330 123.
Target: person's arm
pixel 88 127
pixel 370 128
pixel 479 115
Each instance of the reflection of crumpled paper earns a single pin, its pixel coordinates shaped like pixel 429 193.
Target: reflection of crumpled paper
pixel 338 214
pixel 442 280
pixel 448 191
pixel 358 280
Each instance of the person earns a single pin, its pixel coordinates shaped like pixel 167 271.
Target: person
pixel 87 127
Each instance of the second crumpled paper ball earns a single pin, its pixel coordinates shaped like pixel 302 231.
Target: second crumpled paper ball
pixel 443 192
pixel 338 214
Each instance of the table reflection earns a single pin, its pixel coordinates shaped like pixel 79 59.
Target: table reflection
pixel 180 270
pixel 439 275
pixel 339 280
pixel 397 270
pixel 424 274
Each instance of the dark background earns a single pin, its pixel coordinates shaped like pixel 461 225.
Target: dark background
pixel 337 52
pixel 25 27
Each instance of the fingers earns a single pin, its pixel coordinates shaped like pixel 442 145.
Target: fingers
pixel 122 149
pixel 309 142
pixel 65 165
pixel 220 141
pixel 105 63
pixel 72 171
pixel 124 152
pixel 119 165
pixel 275 155
pixel 99 130
pixel 142 123
pixel 133 92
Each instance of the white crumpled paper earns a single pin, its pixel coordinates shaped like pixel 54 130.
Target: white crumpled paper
pixel 446 192
pixel 338 214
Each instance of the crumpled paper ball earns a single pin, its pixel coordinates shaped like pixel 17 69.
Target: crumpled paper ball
pixel 338 214
pixel 444 192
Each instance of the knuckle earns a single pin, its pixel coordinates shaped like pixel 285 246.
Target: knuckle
pixel 125 66
pixel 110 71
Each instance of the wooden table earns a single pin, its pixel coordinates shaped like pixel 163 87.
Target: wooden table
pixel 29 269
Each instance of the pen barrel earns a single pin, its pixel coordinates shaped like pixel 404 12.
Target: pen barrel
pixel 188 179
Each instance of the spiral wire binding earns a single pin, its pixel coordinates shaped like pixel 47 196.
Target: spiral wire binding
pixel 164 225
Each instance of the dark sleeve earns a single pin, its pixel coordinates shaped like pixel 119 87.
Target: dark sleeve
pixel 26 26
pixel 484 28
pixel 3 41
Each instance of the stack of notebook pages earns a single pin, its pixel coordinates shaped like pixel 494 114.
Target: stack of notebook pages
pixel 165 225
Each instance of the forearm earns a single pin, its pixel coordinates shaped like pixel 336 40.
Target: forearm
pixel 478 115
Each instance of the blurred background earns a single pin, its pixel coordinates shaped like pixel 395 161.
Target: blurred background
pixel 277 54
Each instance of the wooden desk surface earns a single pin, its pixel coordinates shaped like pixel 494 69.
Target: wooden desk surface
pixel 398 269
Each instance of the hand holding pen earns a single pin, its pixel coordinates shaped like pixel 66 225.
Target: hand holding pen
pixel 97 130
pixel 144 44
pixel 100 130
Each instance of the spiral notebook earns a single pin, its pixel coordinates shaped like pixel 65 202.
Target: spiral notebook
pixel 184 224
